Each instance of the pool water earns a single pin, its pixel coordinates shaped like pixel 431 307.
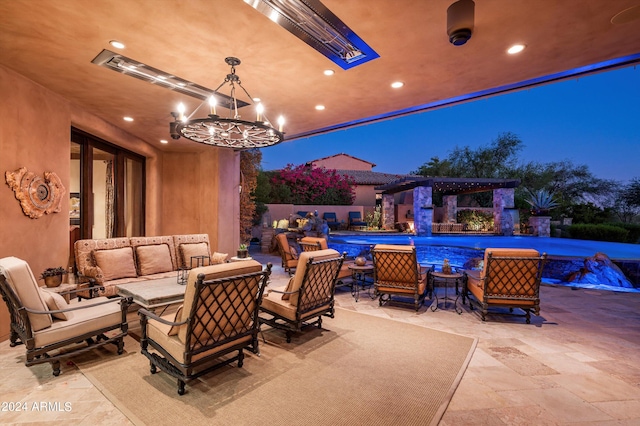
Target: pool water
pixel 568 254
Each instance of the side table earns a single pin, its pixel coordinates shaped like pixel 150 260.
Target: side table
pixel 359 274
pixel 239 259
pixel 61 289
pixel 444 280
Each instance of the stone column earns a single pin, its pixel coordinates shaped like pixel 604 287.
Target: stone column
pixel 388 213
pixel 503 199
pixel 450 205
pixel 540 226
pixel 422 210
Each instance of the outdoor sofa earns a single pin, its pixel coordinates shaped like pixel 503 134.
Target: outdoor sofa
pixel 105 263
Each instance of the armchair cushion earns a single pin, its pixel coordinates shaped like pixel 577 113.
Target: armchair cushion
pixel 116 263
pixel 284 308
pixel 17 271
pixel 153 259
pixel 55 302
pixel 83 321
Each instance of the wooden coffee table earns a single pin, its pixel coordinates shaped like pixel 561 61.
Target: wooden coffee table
pixel 152 294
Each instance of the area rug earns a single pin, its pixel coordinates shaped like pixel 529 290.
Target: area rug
pixel 359 369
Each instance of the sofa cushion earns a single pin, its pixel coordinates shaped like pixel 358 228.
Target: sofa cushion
pixel 56 302
pixel 218 258
pixel 116 263
pixel 189 250
pixel 153 259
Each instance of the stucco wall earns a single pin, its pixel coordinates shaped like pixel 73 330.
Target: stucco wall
pixel 193 193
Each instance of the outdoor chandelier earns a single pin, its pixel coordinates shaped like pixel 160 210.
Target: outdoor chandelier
pixel 232 131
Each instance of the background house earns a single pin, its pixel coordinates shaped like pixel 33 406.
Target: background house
pixel 361 173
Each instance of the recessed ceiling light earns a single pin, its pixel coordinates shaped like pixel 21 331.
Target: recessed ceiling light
pixel 117 44
pixel 397 84
pixel 164 141
pixel 516 48
pixel 128 119
pixel 329 72
pixel 256 99
pixel 320 107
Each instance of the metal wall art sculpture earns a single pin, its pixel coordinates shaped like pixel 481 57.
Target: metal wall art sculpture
pixel 37 196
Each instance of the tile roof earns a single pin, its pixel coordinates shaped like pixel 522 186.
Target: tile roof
pixel 367 177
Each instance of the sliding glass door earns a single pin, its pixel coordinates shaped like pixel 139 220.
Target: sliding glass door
pixel 107 189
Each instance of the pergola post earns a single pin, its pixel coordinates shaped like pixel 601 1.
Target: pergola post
pixel 423 210
pixel 388 211
pixel 450 205
pixel 503 204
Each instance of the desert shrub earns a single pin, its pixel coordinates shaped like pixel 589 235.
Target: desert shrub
pixel 476 220
pixel 634 231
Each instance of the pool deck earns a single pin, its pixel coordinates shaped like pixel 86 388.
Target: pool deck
pixel 577 363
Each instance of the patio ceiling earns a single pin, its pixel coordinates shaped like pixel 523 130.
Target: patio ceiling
pixel 54 42
pixel 448 186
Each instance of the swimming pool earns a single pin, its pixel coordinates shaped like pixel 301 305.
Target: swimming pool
pixel 551 246
pixel 568 254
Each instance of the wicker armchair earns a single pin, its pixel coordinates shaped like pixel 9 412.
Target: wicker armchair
pixel 219 316
pixel 396 272
pixel 45 323
pixel 308 296
pixel 510 278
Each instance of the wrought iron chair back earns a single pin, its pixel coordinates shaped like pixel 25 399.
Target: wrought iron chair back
pixel 318 285
pixel 510 278
pixel 220 316
pixel 396 272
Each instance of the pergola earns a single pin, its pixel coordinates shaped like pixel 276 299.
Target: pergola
pixel 423 187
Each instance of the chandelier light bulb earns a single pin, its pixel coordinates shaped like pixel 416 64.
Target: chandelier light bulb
pixel 212 104
pixel 280 123
pixel 181 110
pixel 259 111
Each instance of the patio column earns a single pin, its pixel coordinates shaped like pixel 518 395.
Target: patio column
pixel 450 204
pixel 388 214
pixel 503 204
pixel 423 210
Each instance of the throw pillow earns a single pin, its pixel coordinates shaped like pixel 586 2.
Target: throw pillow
pixel 56 302
pixel 116 263
pixel 288 288
pixel 153 259
pixel 192 250
pixel 218 258
pixel 178 318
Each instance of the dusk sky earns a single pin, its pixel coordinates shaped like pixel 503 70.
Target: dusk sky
pixel 592 120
